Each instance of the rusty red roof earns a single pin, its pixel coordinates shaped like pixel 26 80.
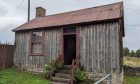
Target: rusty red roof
pixel 106 12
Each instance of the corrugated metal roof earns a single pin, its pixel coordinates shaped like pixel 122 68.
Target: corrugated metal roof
pixel 106 12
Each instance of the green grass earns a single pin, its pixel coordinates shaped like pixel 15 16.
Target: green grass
pixel 131 80
pixel 15 76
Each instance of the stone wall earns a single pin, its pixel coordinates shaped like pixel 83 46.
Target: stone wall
pixel 131 71
pixel 117 78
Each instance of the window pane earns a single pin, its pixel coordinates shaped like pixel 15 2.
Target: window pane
pixel 36 47
pixel 37 36
pixel 70 30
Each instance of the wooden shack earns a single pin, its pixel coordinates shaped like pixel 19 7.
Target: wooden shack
pixel 93 36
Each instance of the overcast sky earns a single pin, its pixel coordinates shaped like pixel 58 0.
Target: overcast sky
pixel 13 13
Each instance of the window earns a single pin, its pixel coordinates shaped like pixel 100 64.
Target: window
pixel 69 30
pixel 36 43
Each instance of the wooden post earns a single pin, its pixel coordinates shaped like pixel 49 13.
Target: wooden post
pixel 28 10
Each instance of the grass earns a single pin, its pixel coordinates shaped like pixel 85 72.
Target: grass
pixel 15 76
pixel 131 80
pixel 132 61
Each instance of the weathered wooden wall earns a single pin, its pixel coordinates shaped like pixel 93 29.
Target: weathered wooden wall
pixel 52 44
pixel 100 47
pixel 21 55
pixel 51 49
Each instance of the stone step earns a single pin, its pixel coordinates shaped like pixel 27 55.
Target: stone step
pixel 58 83
pixel 65 71
pixel 67 67
pixel 62 75
pixel 57 79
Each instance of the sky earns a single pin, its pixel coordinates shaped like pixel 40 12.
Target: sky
pixel 13 13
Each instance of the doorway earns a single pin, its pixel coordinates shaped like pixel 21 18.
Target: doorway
pixel 69 48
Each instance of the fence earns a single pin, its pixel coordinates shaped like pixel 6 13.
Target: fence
pixel 6 55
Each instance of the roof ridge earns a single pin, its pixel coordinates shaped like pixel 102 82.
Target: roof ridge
pixel 81 9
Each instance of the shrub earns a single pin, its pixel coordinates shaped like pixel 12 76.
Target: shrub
pixel 80 75
pixel 47 74
pixel 53 64
pixel 48 68
pixel 58 65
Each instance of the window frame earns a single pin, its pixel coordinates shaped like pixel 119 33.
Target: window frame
pixel 71 32
pixel 31 44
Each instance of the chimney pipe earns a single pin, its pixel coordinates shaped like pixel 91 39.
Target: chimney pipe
pixel 40 12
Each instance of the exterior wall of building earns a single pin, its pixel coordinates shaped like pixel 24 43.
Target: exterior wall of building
pixel 21 56
pixel 52 45
pixel 100 47
pixel 52 48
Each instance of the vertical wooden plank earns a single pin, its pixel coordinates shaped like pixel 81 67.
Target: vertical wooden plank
pixel 99 46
